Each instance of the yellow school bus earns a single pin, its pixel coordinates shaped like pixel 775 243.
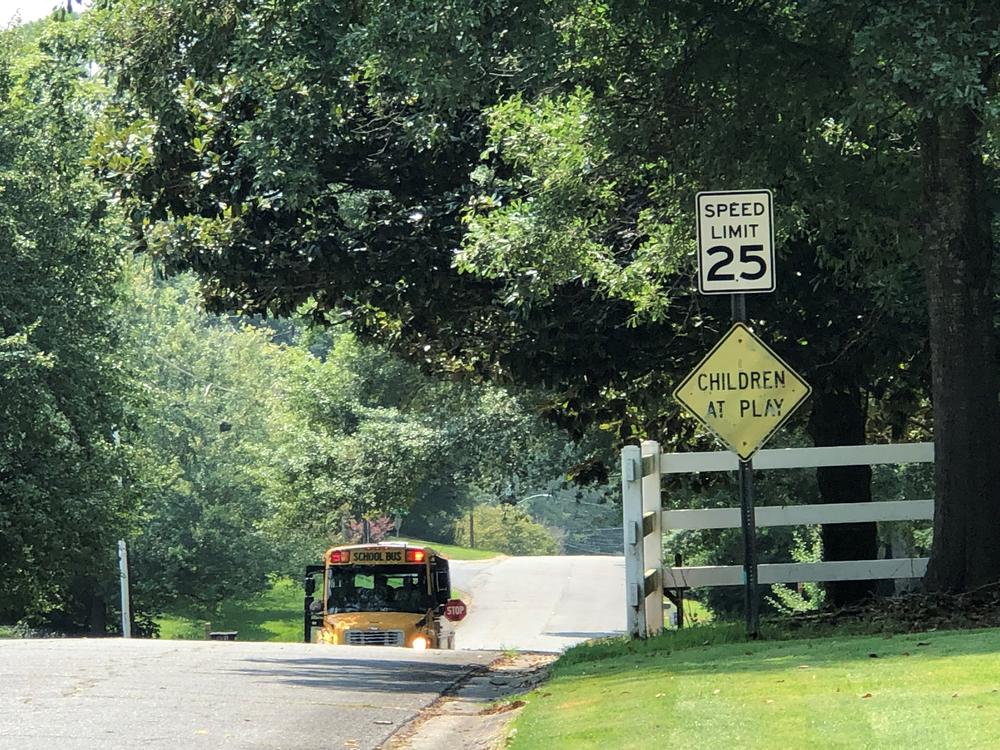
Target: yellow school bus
pixel 387 594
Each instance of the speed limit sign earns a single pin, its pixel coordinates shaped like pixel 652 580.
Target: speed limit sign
pixel 735 242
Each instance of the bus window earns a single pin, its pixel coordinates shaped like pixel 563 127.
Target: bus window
pixel 382 588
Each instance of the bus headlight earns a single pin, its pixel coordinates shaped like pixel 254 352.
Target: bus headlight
pixel 419 643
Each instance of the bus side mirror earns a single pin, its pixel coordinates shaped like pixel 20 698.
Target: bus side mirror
pixel 442 587
pixel 310 585
pixel 442 595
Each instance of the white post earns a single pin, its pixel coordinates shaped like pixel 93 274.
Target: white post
pixel 653 541
pixel 123 578
pixel 635 620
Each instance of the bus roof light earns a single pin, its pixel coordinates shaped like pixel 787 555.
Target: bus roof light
pixel 415 556
pixel 340 556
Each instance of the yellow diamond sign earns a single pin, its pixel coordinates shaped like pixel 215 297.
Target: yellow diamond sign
pixel 742 391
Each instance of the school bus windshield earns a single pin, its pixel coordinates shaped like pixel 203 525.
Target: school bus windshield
pixel 378 588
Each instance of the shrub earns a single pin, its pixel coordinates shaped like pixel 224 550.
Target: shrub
pixel 508 529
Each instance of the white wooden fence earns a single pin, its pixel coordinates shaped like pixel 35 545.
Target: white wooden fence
pixel 646 576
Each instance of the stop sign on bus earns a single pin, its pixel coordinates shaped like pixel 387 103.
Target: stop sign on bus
pixel 455 610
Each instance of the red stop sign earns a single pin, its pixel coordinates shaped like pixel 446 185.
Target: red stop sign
pixel 455 610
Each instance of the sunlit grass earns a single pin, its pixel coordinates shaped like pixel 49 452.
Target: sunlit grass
pixel 275 615
pixel 452 552
pixel 914 691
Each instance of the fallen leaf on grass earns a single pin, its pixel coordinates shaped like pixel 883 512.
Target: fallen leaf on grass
pixel 769 701
pixel 716 691
pixel 924 643
pixel 954 695
pixel 659 695
pixel 803 666
pixel 867 695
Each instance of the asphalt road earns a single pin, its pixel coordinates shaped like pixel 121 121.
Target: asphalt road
pixel 111 694
pixel 540 603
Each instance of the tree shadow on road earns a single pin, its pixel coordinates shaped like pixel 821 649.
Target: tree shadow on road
pixel 360 674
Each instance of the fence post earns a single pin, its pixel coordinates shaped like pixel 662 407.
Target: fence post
pixel 652 559
pixel 635 620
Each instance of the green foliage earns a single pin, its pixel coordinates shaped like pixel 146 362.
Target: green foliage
pixel 256 445
pixel 550 236
pixel 63 375
pixel 807 546
pixel 507 529
pixel 491 189
pixel 199 441
pixel 503 192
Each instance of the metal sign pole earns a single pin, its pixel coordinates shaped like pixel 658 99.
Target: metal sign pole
pixel 739 304
pixel 124 583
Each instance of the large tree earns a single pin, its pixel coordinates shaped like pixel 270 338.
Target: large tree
pixel 62 366
pixel 940 64
pixel 307 153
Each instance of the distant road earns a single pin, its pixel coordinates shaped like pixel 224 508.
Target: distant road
pixel 111 694
pixel 540 603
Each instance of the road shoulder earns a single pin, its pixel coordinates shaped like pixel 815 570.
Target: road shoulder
pixel 476 713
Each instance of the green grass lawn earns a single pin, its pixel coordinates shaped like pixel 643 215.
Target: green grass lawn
pixel 275 615
pixel 929 690
pixel 695 613
pixel 451 552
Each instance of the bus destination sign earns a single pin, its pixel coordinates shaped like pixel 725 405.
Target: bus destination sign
pixel 375 556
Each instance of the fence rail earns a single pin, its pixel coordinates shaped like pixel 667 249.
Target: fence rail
pixel 800 515
pixel 645 521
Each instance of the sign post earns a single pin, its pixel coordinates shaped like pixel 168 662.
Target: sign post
pixel 748 521
pixel 741 390
pixel 125 593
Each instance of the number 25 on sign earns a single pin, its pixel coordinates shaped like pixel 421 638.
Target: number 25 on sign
pixel 735 242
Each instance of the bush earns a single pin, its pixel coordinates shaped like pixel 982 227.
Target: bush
pixel 507 529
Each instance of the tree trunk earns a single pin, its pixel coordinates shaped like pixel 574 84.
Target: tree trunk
pixel 958 257
pixel 98 616
pixel 838 418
